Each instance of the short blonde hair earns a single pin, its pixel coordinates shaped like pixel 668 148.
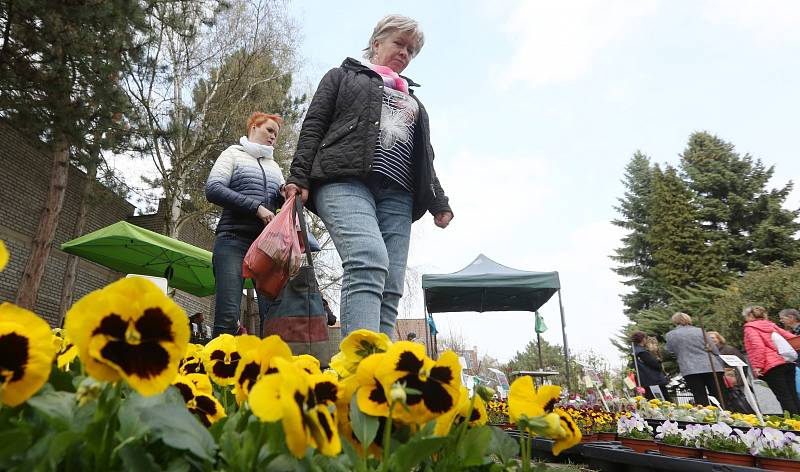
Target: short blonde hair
pixel 756 311
pixel 390 24
pixel 682 319
pixel 719 336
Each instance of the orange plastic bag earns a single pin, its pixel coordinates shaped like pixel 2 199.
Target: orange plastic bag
pixel 276 254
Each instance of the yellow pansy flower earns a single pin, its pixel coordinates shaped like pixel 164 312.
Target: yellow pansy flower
pixel 370 396
pixel 131 330
pixel 570 433
pixel 255 363
pixel 196 392
pixel 356 346
pixel 26 344
pixel 66 350
pixel 290 396
pixel 526 400
pixel 222 354
pixel 308 363
pixel 437 382
pixel 192 362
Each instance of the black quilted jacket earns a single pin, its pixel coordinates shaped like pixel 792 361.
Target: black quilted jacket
pixel 341 129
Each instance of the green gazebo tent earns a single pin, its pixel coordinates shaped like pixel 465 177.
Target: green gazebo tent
pixel 129 249
pixel 484 285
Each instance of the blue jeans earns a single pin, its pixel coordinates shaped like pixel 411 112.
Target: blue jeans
pixel 229 251
pixel 370 223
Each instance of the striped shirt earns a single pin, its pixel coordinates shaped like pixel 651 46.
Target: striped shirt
pixel 395 147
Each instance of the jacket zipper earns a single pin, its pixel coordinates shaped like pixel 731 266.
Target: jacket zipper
pixel 264 183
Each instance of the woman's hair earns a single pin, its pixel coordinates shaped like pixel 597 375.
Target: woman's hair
pixel 390 24
pixel 258 118
pixel 720 337
pixel 682 319
pixel 757 312
pixel 790 313
pixel 637 337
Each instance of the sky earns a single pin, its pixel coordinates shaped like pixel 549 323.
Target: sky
pixel 536 107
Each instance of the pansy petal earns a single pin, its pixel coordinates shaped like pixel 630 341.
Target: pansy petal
pixel 3 256
pixel 26 353
pixel 571 432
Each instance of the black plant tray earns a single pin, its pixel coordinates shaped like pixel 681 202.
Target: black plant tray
pixel 612 456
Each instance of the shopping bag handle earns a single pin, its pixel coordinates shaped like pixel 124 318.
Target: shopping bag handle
pixel 298 213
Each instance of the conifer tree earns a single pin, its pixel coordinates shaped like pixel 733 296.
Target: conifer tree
pixel 60 65
pixel 739 215
pixel 681 255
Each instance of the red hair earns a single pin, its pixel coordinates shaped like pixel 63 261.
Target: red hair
pixel 258 118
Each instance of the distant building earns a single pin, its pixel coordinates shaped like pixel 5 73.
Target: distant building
pixel 419 328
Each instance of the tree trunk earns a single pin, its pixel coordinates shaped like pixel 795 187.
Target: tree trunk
pixel 45 233
pixel 71 274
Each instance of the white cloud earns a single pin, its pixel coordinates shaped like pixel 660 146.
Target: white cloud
pixel 771 22
pixel 560 41
pixel 501 207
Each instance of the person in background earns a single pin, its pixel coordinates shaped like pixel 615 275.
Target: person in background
pixel 364 164
pixel 246 182
pixel 732 378
pixel 197 328
pixel 765 360
pixel 649 367
pixel 790 319
pixel 687 343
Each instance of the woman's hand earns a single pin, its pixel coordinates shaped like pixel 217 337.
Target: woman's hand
pixel 442 219
pixel 292 189
pixel 757 371
pixel 264 215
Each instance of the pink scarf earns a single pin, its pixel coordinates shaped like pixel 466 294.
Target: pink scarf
pixel 390 78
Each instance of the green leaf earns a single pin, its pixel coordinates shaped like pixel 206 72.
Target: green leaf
pixel 167 418
pixel 14 441
pixel 365 427
pixel 136 459
pixel 351 452
pixel 411 454
pixel 57 408
pixel 472 449
pixel 61 380
pixel 503 445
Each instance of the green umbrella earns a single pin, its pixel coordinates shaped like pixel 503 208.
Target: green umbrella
pixel 127 248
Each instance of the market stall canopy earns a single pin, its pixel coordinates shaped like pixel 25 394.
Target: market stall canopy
pixel 129 249
pixel 485 285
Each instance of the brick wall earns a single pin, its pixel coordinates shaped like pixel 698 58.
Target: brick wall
pixel 24 181
pixel 417 326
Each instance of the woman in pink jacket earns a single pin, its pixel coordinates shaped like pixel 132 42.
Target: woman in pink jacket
pixel 765 360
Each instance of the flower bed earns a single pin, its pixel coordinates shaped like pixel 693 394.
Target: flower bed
pixel 687 413
pixel 121 388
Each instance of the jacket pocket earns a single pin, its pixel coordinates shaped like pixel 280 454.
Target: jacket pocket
pixel 338 133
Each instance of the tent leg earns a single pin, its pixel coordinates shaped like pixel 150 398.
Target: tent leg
pixel 566 348
pixel 539 346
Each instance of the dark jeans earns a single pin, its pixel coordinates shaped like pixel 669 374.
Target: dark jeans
pixel 698 383
pixel 229 251
pixel 781 381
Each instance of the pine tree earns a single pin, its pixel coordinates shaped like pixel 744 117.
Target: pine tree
pixel 739 215
pixel 635 255
pixel 60 64
pixel 681 256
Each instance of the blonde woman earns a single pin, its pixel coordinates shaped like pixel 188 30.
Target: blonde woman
pixel 364 164
pixel 687 343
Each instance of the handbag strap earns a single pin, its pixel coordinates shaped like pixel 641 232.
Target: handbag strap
pixel 298 213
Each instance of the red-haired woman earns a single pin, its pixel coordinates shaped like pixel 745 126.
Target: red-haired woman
pixel 247 183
